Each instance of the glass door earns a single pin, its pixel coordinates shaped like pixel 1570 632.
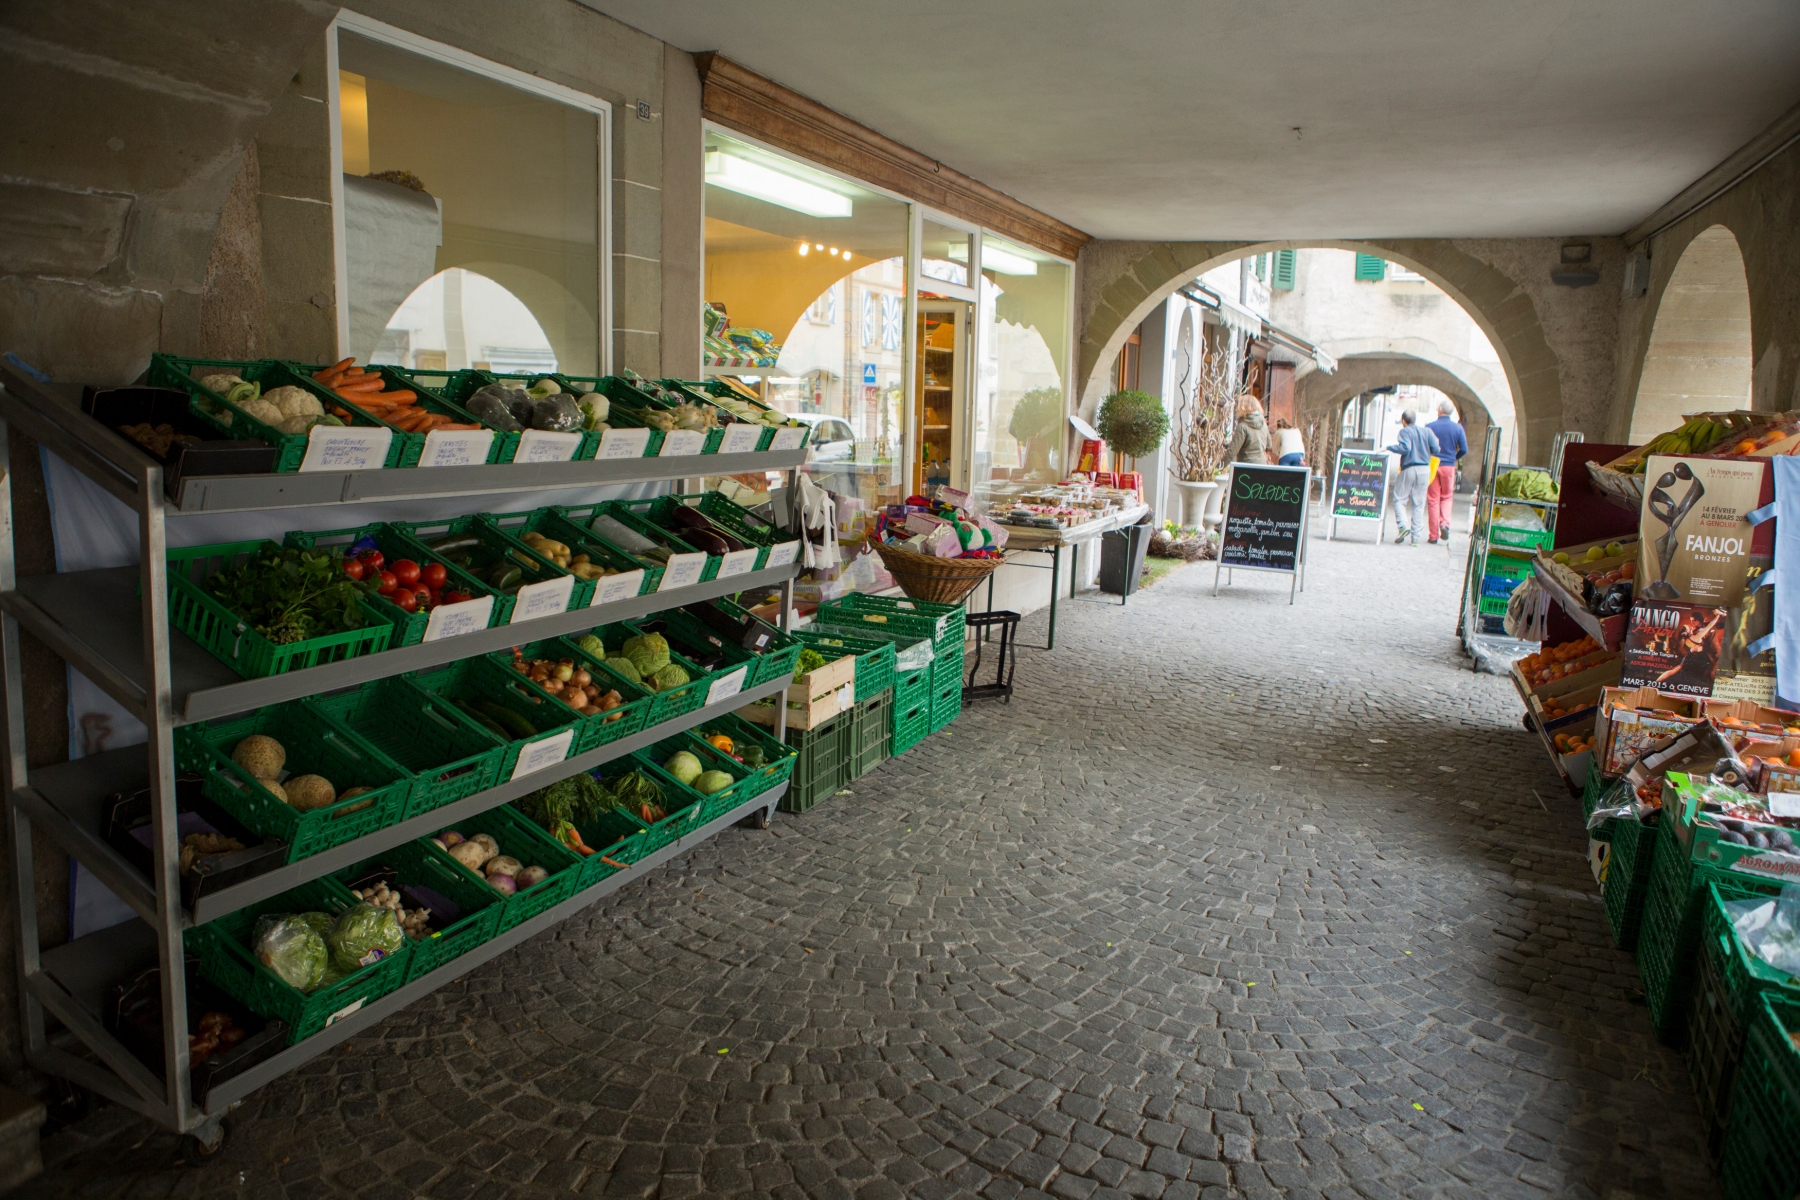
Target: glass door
pixel 940 396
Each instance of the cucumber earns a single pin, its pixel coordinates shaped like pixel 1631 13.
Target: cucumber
pixel 504 575
pixel 482 719
pixel 458 542
pixel 516 726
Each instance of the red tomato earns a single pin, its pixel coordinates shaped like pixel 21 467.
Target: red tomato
pixel 455 597
pixel 408 601
pixel 372 559
pixel 433 575
pixel 405 570
pixel 423 596
pixel 353 567
pixel 388 583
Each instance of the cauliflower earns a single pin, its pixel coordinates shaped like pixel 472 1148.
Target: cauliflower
pixel 221 384
pixel 648 652
pixel 262 410
pixel 295 402
pixel 304 423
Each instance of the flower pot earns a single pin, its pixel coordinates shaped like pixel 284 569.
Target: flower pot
pixel 1195 496
pixel 1215 507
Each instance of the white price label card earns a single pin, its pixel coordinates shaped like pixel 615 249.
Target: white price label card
pixel 727 686
pixel 678 442
pixel 456 447
pixel 1784 804
pixel 738 562
pixel 454 620
pixel 740 438
pixel 781 554
pixel 682 570
pixel 624 443
pixel 346 448
pixel 544 599
pixel 546 752
pixel 788 439
pixel 622 586
pixel 343 1012
pixel 543 446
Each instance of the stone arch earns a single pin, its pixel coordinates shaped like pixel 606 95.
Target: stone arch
pixel 1321 397
pixel 1699 354
pixel 1123 281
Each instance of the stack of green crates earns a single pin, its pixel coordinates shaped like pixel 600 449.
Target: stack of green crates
pixel 1759 1158
pixel 944 624
pixel 871 735
pixel 1628 868
pixel 820 764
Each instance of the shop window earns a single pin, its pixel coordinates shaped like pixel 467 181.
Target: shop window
pixel 1283 280
pixel 1370 269
pixel 805 288
pixel 471 205
pixel 1020 398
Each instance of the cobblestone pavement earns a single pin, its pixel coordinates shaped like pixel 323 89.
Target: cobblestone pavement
pixel 1233 900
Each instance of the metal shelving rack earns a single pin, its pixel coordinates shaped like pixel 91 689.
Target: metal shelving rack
pixel 166 681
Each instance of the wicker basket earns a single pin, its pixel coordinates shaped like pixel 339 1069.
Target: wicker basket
pixel 944 580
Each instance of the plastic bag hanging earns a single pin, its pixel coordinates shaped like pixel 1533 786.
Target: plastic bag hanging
pixel 818 522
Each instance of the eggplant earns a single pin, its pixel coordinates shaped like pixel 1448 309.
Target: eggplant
pixel 702 539
pixel 686 521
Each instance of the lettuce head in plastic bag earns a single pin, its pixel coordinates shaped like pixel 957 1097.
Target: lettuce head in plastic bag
pixel 363 935
pixel 291 947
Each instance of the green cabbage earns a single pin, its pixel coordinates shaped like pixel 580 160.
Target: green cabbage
pixel 1524 483
pixel 364 935
pixel 809 661
pixel 592 645
pixel 291 947
pixel 671 676
pixel 648 652
pixel 624 667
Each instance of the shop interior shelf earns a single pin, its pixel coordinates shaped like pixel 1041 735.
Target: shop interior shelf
pixel 82 970
pixel 71 794
pixel 51 414
pixel 77 615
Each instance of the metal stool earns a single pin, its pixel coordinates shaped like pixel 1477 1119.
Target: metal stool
pixel 1008 625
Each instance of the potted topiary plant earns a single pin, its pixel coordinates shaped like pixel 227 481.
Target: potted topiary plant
pixel 1036 418
pixel 1132 423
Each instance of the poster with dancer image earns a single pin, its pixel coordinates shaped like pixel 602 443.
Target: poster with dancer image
pixel 1673 647
pixel 1694 531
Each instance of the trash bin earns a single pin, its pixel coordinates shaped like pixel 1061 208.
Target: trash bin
pixel 1122 558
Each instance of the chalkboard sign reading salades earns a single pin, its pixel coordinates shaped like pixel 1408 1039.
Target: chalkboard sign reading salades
pixel 1359 488
pixel 1264 511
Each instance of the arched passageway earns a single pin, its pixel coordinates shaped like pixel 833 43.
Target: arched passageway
pixel 1319 399
pixel 1699 356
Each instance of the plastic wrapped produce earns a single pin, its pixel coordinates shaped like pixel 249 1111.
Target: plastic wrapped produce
pixel 363 934
pixel 556 413
pixel 291 947
pixel 1770 929
pixel 500 408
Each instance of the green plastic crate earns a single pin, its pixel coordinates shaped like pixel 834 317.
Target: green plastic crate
pixel 1628 868
pixel 645 517
pixel 874 658
pixel 167 370
pixel 524 841
pixel 820 762
pixel 1759 1159
pixel 1525 539
pixel 694 641
pixel 411 446
pixel 1715 1043
pixel 1743 976
pixel 871 735
pixel 495 544
pixel 718 387
pixel 454 388
pixel 684 808
pixel 778 757
pixel 641 393
pixel 409 628
pixel 944 624
pixel 946 688
pixel 568 523
pixel 743 524
pixel 315 745
pixel 228 959
pixel 473 681
pixel 603 728
pixel 670 702
pixel 615 838
pixel 1670 935
pixel 744 782
pixel 912 687
pixel 419 864
pixel 599 552
pixel 777 658
pixel 698 392
pixel 231 639
pixel 911 725
pixel 694 638
pixel 448 755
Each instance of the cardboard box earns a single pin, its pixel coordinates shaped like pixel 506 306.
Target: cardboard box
pixel 1632 722
pixel 1747 714
pixel 1599 667
pixel 1568 704
pixel 805 714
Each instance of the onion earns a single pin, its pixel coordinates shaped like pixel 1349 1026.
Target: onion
pixel 521 666
pixel 450 838
pixel 503 884
pixel 531 877
pixel 563 672
pixel 439 843
pixel 580 678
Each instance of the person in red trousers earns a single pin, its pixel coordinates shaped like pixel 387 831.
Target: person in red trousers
pixel 1442 489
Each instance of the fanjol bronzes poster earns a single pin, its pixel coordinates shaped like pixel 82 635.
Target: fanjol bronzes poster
pixel 1693 532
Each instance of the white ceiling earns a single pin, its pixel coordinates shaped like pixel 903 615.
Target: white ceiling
pixel 1174 118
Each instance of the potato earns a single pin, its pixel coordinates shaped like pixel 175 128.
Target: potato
pixel 471 854
pixel 501 864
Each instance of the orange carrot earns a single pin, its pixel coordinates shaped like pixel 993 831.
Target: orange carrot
pixel 334 368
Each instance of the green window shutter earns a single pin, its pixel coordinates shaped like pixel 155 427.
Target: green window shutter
pixel 1262 266
pixel 1284 271
pixel 1370 269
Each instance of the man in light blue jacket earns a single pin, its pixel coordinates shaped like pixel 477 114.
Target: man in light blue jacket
pixel 1416 446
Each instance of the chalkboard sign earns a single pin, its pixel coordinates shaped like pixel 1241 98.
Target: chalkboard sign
pixel 1265 517
pixel 1359 488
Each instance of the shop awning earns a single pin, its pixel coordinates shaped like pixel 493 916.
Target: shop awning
pixel 1236 316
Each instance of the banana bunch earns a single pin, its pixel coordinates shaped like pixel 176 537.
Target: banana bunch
pixel 1697 433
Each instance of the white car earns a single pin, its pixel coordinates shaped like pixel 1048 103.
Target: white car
pixel 832 439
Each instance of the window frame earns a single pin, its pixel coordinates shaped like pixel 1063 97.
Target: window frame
pixel 454 56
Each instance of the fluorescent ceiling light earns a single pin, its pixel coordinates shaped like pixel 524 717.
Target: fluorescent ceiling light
pixel 995 259
pixel 746 178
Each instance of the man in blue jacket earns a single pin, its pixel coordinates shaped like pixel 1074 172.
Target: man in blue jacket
pixel 1441 491
pixel 1416 446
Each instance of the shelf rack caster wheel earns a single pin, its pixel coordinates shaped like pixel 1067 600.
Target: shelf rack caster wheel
pixel 759 819
pixel 202 1146
pixel 1526 721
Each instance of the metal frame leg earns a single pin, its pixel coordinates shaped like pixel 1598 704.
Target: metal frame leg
pixel 1055 587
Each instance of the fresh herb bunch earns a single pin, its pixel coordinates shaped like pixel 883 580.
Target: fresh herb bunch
pixel 809 661
pixel 290 595
pixel 638 795
pixel 577 800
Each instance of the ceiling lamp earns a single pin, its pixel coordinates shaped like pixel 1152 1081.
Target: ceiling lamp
pixel 746 178
pixel 1002 262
